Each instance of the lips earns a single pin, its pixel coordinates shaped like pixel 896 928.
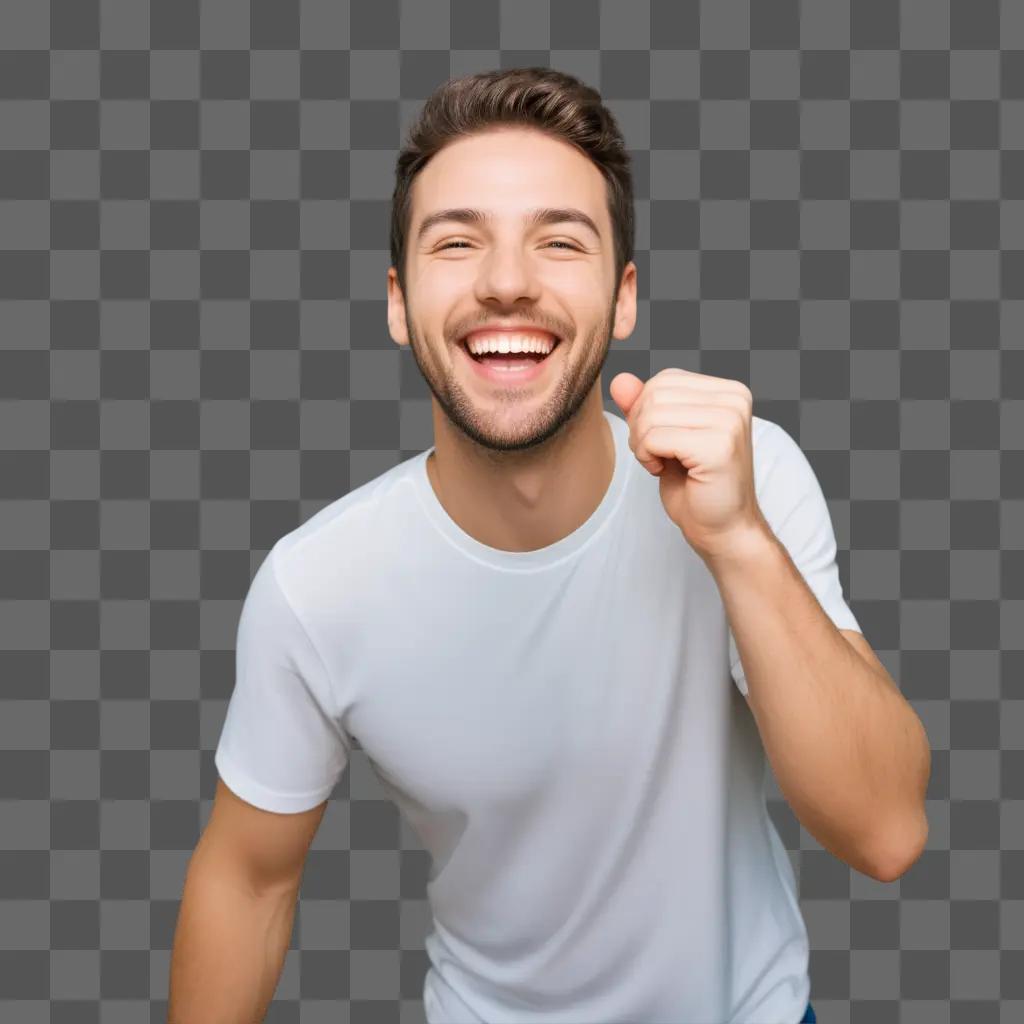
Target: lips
pixel 497 328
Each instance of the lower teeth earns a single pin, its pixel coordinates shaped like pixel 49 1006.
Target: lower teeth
pixel 510 362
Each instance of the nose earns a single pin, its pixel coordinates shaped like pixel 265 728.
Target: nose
pixel 507 276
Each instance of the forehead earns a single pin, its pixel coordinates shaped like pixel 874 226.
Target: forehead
pixel 507 171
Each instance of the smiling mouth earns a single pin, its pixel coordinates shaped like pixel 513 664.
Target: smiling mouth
pixel 510 357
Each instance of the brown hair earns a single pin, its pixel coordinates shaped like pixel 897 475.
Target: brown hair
pixel 551 101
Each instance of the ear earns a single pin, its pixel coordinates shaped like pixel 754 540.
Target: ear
pixel 625 304
pixel 396 309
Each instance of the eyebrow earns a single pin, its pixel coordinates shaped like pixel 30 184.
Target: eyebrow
pixel 532 218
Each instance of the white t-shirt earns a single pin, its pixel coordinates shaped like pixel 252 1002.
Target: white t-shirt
pixel 560 729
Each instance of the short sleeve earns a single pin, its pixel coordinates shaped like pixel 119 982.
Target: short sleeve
pixel 794 505
pixel 281 747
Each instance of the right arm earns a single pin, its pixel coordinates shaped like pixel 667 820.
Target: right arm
pixel 237 911
pixel 280 753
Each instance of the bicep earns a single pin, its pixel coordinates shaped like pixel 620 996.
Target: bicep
pixel 265 851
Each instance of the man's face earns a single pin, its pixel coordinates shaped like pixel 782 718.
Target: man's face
pixel 558 277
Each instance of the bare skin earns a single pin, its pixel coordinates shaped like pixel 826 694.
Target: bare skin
pixel 518 467
pixel 237 911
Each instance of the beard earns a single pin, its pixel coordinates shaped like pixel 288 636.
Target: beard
pixel 513 419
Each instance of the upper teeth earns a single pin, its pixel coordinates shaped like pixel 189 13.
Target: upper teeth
pixel 482 344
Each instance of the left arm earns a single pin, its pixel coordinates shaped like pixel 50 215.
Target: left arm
pixel 849 753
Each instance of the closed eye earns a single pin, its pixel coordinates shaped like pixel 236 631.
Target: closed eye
pixel 449 245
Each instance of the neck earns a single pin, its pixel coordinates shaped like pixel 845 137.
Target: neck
pixel 524 500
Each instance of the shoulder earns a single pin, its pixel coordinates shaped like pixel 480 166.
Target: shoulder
pixel 773 446
pixel 338 553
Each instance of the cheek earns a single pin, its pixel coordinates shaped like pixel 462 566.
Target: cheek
pixel 432 297
pixel 589 310
pixel 585 287
pixel 438 295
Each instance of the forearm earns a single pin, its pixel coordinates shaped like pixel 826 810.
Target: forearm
pixel 849 753
pixel 229 949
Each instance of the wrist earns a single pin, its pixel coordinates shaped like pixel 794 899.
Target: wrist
pixel 746 547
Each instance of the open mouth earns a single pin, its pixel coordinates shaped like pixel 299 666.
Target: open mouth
pixel 499 359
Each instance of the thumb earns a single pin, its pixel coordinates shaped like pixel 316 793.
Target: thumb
pixel 624 389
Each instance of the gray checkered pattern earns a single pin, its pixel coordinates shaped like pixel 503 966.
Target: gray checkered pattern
pixel 195 359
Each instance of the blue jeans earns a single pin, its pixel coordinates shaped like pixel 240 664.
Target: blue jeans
pixel 808 1017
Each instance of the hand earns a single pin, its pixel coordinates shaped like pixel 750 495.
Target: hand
pixel 693 431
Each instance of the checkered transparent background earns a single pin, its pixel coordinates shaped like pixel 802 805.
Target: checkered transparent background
pixel 194 358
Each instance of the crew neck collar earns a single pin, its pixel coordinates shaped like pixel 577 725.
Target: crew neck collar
pixel 540 557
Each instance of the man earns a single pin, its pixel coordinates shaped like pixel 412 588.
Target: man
pixel 531 628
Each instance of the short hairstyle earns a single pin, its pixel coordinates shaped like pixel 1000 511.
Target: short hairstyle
pixel 553 102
